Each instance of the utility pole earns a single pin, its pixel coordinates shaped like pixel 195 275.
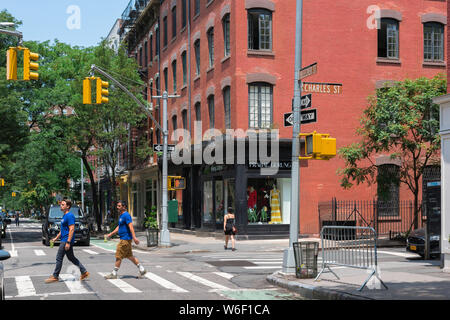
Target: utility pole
pixel 82 185
pixel 165 234
pixel 288 256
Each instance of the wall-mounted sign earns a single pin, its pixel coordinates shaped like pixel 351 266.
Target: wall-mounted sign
pixel 316 87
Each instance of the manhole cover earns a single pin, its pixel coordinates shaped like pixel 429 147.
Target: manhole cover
pixel 232 263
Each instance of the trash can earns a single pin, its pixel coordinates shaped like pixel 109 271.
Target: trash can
pixel 305 254
pixel 152 237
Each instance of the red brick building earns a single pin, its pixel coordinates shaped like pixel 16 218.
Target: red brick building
pixel 242 77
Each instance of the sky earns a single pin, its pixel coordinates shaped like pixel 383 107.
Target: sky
pixel 76 22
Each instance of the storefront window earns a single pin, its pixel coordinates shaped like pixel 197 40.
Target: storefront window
pixel 230 187
pixel 207 202
pixel 134 192
pixel 150 196
pixel 219 201
pixel 268 201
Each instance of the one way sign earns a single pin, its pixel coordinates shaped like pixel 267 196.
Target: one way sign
pixel 159 147
pixel 305 102
pixel 307 116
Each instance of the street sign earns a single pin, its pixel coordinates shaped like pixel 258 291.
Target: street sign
pixel 159 148
pixel 307 116
pixel 305 102
pixel 307 71
pixel 316 87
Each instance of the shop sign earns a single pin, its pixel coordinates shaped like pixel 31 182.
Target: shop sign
pixel 282 165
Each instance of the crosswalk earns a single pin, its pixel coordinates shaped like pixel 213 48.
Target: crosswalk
pixel 180 282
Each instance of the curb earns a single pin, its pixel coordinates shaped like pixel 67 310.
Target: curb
pixel 311 292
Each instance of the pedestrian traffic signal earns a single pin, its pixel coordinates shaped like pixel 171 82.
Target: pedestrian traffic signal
pixel 87 91
pixel 28 64
pixel 318 146
pixel 11 64
pixel 102 91
pixel 176 183
pixel 13 194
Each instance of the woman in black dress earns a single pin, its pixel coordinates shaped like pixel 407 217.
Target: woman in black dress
pixel 228 225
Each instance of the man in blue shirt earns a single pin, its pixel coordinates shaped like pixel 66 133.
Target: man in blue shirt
pixel 126 234
pixel 66 245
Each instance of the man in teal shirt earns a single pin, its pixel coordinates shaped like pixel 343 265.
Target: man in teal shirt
pixel 66 244
pixel 127 235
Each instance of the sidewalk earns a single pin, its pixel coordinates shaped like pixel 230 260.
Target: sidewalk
pixel 407 278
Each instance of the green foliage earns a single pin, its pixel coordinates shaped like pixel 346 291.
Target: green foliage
pixel 151 221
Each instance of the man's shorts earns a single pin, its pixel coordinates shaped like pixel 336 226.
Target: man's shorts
pixel 124 249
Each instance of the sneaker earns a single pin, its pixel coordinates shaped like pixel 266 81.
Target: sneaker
pixel 233 249
pixel 84 276
pixel 225 247
pixel 52 279
pixel 142 272
pixel 111 276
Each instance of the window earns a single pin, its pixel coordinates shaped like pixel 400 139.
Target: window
pixel 433 45
pixel 174 123
pixel 226 34
pixel 140 57
pixel 259 29
pixel 184 119
pixel 211 111
pixel 388 39
pixel 174 74
pixel 197 57
pixel 165 79
pixel 184 62
pixel 388 190
pixel 227 107
pixel 198 112
pixel 184 13
pixel 174 22
pixel 151 48
pixel 197 7
pixel 145 54
pixel 210 35
pixel 260 105
pixel 165 31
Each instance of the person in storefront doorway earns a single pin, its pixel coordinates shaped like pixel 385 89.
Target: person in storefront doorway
pixel 229 228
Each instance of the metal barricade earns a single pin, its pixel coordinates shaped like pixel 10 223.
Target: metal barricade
pixel 353 247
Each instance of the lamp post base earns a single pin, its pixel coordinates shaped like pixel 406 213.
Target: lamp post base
pixel 288 261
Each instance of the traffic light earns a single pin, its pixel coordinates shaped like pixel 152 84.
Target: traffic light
pixel 318 146
pixel 13 194
pixel 11 64
pixel 28 64
pixel 2 182
pixel 87 91
pixel 102 91
pixel 176 183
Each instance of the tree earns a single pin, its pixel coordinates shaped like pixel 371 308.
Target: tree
pixel 402 121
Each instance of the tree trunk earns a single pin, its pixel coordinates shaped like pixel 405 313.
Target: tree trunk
pixel 98 217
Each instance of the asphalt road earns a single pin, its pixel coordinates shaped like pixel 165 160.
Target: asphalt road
pixel 172 275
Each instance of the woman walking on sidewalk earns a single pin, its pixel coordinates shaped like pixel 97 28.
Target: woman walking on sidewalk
pixel 229 228
pixel 67 234
pixel 126 234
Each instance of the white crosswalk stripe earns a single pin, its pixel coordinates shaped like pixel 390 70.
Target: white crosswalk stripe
pixel 25 286
pixel 73 284
pixel 39 252
pixel 203 281
pixel 122 285
pixel 90 251
pixel 165 283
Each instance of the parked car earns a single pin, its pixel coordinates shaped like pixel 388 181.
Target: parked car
pixel 4 221
pixel 3 256
pixel 52 223
pixel 416 243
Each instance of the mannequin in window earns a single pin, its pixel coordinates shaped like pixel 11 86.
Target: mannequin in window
pixel 252 197
pixel 275 205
